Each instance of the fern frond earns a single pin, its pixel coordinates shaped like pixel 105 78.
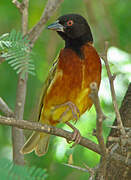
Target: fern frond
pixel 14 48
pixel 8 170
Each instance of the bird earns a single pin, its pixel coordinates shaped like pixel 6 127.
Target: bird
pixel 65 94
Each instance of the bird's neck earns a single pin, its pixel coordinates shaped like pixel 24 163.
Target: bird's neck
pixel 76 44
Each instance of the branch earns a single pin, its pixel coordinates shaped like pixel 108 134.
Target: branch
pixel 100 117
pixel 17 134
pixel 77 167
pixel 50 8
pixel 99 135
pixel 120 150
pixel 25 4
pixel 49 130
pixel 54 131
pixel 18 5
pixel 5 109
pixel 89 170
pixel 92 172
pixel 114 101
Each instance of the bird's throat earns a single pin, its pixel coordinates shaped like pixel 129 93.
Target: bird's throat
pixel 76 45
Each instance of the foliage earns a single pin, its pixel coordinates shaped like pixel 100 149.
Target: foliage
pixel 10 171
pixel 14 48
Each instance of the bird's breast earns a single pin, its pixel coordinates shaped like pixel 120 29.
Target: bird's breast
pixel 72 79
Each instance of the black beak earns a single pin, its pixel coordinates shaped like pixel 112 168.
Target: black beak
pixel 56 26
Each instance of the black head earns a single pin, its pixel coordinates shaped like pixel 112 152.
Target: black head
pixel 74 29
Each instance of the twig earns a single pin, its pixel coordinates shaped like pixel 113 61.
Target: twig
pixel 87 169
pixel 111 80
pixel 18 5
pixel 48 129
pixel 99 135
pixel 25 16
pixel 50 8
pixel 5 109
pixel 92 171
pixel 77 167
pixel 100 116
pixel 113 139
pixel 116 127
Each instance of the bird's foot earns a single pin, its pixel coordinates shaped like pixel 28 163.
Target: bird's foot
pixel 71 106
pixel 76 137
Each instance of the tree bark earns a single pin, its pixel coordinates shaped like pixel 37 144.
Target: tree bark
pixel 120 169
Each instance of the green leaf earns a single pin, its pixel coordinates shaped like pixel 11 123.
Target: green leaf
pixel 11 171
pixel 16 50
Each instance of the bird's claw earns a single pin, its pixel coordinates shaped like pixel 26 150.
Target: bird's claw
pixel 75 111
pixel 71 106
pixel 76 137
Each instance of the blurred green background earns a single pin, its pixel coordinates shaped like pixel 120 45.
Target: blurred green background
pixel 110 20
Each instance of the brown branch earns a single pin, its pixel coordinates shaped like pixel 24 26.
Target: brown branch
pixel 100 117
pixel 121 161
pixel 55 131
pixel 18 5
pixel 50 8
pixel 114 101
pixel 5 109
pixel 113 139
pixel 17 134
pixel 92 171
pixel 49 130
pixel 99 134
pixel 25 4
pixel 23 8
pixel 116 127
pixel 89 170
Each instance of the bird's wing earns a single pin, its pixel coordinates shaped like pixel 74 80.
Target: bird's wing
pixel 46 85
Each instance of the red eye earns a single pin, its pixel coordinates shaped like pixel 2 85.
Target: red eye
pixel 70 23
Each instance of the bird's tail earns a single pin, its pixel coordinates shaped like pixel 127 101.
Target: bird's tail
pixel 38 142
